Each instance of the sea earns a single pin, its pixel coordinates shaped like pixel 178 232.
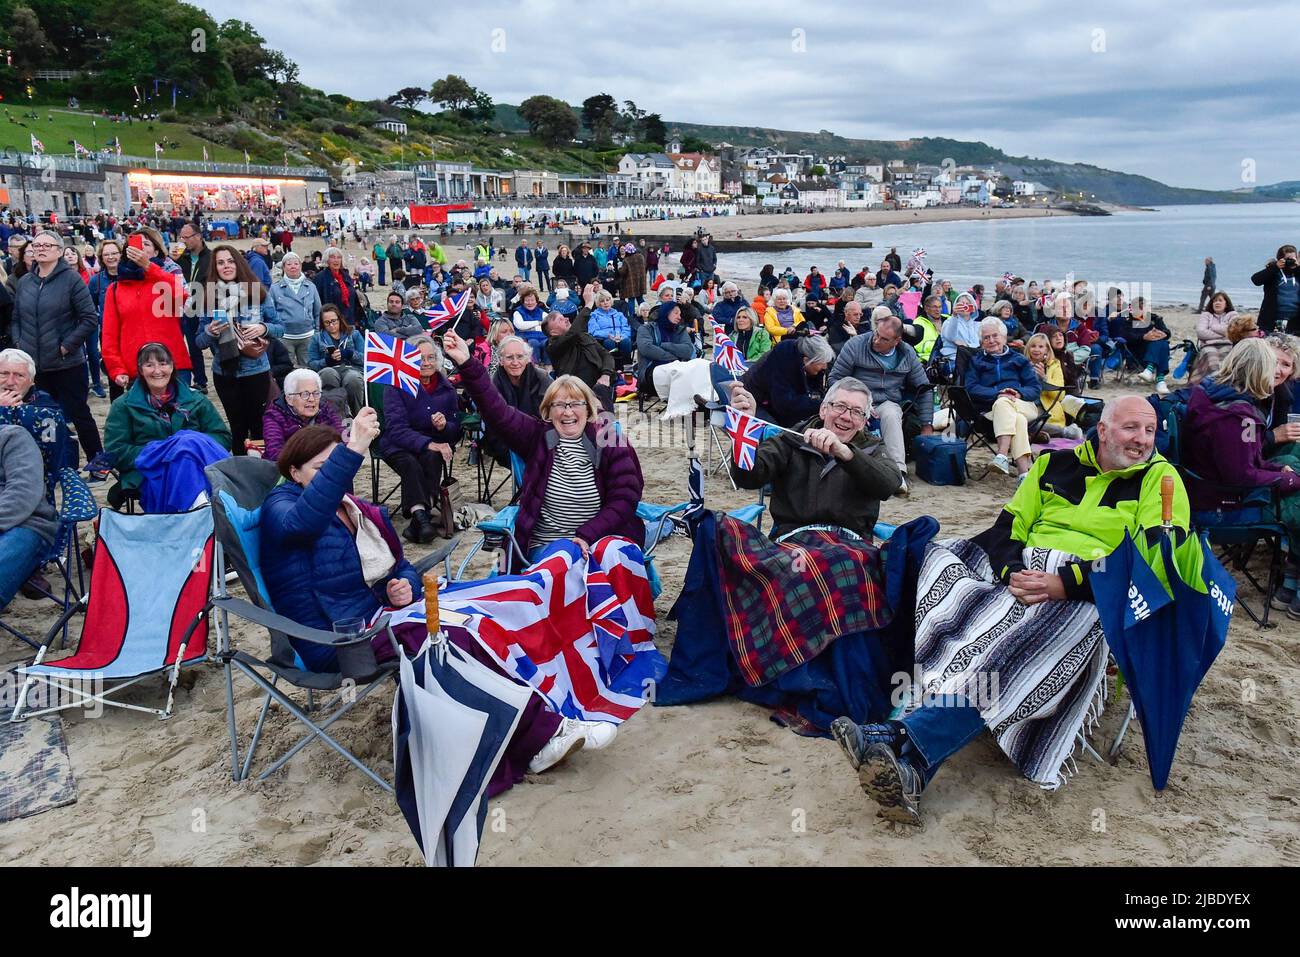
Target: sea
pixel 1158 253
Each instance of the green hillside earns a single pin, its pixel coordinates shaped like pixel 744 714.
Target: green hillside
pixel 57 128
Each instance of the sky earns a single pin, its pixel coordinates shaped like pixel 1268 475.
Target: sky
pixel 1196 93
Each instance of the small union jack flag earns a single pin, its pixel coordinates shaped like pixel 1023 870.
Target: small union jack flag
pixel 726 353
pixel 746 432
pixel 37 145
pixel 390 361
pixel 446 311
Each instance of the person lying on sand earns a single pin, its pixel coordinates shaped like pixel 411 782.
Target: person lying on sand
pixel 1010 615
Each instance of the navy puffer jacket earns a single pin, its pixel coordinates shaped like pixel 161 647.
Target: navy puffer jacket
pixel 309 558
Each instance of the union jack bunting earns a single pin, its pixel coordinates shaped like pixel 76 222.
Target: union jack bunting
pixel 390 361
pixel 746 432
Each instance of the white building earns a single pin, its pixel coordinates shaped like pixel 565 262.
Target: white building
pixel 654 170
pixel 1022 187
pixel 695 174
pixel 393 126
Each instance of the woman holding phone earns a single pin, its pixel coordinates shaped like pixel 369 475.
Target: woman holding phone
pixel 143 305
pixel 238 318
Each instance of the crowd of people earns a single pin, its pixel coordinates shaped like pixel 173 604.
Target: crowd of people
pixel 852 366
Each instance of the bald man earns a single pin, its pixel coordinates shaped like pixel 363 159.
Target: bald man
pixel 1081 501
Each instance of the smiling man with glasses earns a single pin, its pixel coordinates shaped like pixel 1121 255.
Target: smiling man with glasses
pixel 53 317
pixel 832 473
pixel 893 372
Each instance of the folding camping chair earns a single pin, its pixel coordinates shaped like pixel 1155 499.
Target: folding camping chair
pixel 75 504
pixel 239 487
pixel 146 613
pixel 375 396
pixel 1239 531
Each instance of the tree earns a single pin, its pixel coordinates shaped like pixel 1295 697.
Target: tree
pixel 30 44
pixel 484 109
pixel 550 120
pixel 600 115
pixel 408 96
pixel 652 129
pixel 693 144
pixel 454 93
pixel 631 118
pixel 817 170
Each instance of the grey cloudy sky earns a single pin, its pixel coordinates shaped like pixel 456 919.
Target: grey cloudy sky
pixel 1183 92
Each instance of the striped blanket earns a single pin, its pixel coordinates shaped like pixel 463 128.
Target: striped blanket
pixel 1035 672
pixel 786 602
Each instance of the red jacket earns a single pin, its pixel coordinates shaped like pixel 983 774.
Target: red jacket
pixel 137 311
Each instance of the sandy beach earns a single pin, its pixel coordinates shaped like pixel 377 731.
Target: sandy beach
pixel 707 784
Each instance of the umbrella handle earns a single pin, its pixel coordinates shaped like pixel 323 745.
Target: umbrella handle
pixel 1167 501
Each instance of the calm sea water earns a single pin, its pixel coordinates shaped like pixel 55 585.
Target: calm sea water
pixel 1163 250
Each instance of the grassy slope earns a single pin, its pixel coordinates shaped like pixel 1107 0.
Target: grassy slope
pixel 57 128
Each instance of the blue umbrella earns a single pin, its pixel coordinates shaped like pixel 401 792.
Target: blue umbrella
pixel 1163 642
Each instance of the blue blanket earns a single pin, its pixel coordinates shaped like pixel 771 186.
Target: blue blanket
pixel 172 471
pixel 853 676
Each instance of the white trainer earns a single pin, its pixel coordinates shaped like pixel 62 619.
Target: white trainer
pixel 599 734
pixel 569 737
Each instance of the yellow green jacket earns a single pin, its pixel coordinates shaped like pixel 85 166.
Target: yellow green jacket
pixel 1067 503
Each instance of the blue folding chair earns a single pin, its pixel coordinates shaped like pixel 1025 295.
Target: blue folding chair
pixel 75 504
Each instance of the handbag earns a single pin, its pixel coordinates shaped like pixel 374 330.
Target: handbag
pixel 450 497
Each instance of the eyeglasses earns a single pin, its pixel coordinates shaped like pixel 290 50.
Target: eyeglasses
pixel 44 245
pixel 304 395
pixel 568 406
pixel 839 408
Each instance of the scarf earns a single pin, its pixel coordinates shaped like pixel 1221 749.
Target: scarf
pixel 165 405
pixel 295 284
pixel 345 298
pixel 129 270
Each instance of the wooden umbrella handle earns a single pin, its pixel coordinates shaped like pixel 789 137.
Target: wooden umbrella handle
pixel 1167 500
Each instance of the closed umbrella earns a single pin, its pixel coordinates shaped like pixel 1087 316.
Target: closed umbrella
pixel 1163 641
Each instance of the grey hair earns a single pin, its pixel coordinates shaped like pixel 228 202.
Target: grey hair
pixel 508 340
pixel 729 285
pixel 412 294
pixel 288 256
pixel 881 312
pixel 22 358
pixel 297 376
pixel 991 322
pixel 816 349
pixel 848 384
pixel 53 235
pixel 783 292
pixel 331 251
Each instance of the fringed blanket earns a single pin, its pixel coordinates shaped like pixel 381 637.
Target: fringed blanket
pixel 1035 672
pixel 786 602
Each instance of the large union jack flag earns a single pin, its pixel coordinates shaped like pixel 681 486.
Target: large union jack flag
pixel 444 312
pixel 390 361
pixel 746 432
pixel 581 633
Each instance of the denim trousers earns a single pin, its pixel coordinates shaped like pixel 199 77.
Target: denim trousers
pixel 936 732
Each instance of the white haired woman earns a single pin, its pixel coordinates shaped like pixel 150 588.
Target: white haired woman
pixel 297 306
pixel 1003 385
pixel 335 286
pixel 782 316
pixel 299 407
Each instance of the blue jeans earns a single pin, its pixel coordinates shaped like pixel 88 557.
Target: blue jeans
pixel 1101 350
pixel 382 264
pixel 92 359
pixel 19 550
pixel 1154 353
pixel 938 732
pixel 526 272
pixel 622 348
pixel 537 339
pixel 198 358
pixel 544 280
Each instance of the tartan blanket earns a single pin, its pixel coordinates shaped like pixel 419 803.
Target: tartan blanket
pixel 785 603
pixel 1035 672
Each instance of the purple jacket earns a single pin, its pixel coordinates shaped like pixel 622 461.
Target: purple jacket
pixel 280 421
pixel 1230 433
pixel 618 472
pixel 408 419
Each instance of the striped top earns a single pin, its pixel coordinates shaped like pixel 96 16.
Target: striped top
pixel 572 498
